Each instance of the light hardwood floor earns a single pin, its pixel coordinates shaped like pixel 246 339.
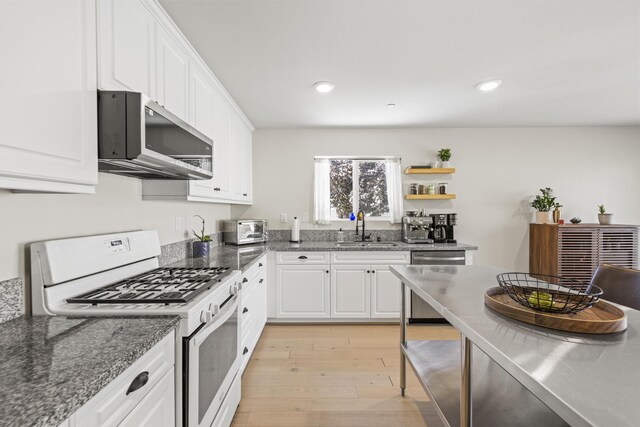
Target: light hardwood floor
pixel 334 375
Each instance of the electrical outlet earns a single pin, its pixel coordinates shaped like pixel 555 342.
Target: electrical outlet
pixel 305 216
pixel 179 223
pixel 283 217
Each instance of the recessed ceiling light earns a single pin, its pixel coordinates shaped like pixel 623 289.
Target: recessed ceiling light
pixel 324 87
pixel 391 105
pixel 489 85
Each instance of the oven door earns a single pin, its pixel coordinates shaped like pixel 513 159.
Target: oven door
pixel 210 363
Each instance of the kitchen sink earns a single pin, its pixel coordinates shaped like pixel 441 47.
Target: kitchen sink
pixel 366 244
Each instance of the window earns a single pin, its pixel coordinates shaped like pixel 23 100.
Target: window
pixel 358 185
pixel 346 185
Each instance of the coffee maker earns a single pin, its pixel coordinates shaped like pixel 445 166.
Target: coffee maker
pixel 416 229
pixel 442 231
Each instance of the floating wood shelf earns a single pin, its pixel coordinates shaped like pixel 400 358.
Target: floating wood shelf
pixel 430 196
pixel 441 171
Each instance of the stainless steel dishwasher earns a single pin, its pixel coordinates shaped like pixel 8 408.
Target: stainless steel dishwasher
pixel 421 312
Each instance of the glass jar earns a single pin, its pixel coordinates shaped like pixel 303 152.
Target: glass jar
pixel 431 189
pixel 422 189
pixel 413 188
pixel 442 187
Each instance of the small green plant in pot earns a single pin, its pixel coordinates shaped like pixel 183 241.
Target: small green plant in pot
pixel 604 218
pixel 543 203
pixel 201 246
pixel 445 156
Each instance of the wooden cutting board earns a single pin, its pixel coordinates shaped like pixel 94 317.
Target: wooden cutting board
pixel 601 318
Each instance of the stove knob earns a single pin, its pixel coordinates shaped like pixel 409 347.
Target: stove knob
pixel 233 289
pixel 206 316
pixel 214 308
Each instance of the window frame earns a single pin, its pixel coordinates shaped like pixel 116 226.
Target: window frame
pixel 355 178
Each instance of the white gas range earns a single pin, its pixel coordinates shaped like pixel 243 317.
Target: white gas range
pixel 119 275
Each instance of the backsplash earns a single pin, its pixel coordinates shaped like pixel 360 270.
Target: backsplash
pixel 11 299
pixel 332 235
pixel 177 251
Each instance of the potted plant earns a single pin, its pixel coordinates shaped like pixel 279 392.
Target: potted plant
pixel 556 212
pixel 603 217
pixel 543 203
pixel 201 246
pixel 445 156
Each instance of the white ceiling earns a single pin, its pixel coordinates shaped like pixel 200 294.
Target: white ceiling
pixel 563 62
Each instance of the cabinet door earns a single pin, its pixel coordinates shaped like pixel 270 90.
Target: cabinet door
pixel 126 47
pixel 385 293
pixel 157 409
pixel 221 145
pixel 247 165
pixel 172 74
pixel 237 156
pixel 48 123
pixel 302 291
pixel 202 113
pixel 350 291
pixel 203 98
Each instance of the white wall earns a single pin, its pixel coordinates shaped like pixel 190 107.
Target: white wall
pixel 498 170
pixel 116 206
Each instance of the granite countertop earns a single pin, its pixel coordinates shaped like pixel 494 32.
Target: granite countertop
pixel 588 380
pixel 236 257
pixel 243 257
pixel 51 365
pixel 399 246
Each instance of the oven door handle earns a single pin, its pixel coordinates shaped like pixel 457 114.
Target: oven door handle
pixel 223 315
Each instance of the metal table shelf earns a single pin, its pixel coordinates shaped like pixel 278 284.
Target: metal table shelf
pixel 437 366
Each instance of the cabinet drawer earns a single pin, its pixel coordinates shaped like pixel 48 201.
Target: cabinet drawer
pixel 370 257
pixel 112 404
pixel 302 258
pixel 258 267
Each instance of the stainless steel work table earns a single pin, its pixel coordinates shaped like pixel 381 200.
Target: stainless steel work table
pixel 579 379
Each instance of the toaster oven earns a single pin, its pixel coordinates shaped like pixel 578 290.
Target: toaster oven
pixel 244 231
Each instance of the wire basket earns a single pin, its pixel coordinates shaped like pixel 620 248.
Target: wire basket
pixel 551 294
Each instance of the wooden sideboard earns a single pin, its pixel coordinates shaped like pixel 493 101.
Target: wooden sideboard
pixel 576 251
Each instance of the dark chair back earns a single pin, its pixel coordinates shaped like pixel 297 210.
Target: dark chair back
pixel 620 285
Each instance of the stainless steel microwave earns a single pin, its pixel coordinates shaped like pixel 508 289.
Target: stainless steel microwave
pixel 138 137
pixel 244 231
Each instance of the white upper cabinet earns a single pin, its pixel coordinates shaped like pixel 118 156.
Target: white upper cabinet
pixel 126 40
pixel 241 165
pixel 141 50
pixel 172 66
pixel 48 123
pixel 203 100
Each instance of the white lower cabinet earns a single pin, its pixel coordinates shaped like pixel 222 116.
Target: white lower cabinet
pixel 302 291
pixel 337 285
pixel 350 291
pixel 143 395
pixel 157 409
pixel 253 308
pixel 385 293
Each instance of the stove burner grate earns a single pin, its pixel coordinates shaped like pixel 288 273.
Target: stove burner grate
pixel 160 286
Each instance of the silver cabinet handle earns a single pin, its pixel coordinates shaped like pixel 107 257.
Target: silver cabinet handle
pixel 434 258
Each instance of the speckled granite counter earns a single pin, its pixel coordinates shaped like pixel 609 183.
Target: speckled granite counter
pixel 236 257
pixel 243 257
pixel 51 366
pixel 399 246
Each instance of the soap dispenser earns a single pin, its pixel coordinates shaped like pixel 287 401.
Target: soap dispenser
pixel 340 236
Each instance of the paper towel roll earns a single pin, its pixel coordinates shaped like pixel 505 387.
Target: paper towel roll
pixel 295 230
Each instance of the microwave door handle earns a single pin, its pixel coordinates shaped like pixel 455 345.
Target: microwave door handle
pixel 222 316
